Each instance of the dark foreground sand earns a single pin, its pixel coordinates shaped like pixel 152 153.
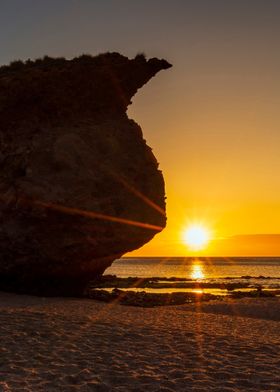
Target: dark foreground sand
pixel 82 345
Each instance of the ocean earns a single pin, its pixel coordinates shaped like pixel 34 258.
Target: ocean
pixel 252 272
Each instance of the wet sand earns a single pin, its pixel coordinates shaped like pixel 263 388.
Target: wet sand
pixel 62 344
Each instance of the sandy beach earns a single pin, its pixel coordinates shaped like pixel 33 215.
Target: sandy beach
pixel 58 344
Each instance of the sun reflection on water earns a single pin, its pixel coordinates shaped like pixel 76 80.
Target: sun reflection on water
pixel 197 271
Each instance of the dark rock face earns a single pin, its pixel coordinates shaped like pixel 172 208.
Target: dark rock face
pixel 79 187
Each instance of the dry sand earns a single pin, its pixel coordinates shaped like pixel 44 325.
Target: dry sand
pixel 81 345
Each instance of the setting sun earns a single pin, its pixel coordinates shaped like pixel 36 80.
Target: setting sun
pixel 196 237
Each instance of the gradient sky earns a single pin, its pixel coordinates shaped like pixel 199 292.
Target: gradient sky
pixel 213 120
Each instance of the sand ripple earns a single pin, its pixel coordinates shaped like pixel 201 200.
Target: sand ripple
pixel 81 345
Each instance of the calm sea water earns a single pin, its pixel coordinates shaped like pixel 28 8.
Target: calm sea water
pixel 190 268
pixel 264 271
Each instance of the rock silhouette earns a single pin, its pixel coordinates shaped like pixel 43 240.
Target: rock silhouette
pixel 79 186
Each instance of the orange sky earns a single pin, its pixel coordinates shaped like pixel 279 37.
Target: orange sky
pixel 220 159
pixel 213 122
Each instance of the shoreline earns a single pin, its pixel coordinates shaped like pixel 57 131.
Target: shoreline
pixel 149 299
pixel 160 291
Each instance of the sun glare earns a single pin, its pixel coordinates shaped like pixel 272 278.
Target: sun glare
pixel 197 272
pixel 196 237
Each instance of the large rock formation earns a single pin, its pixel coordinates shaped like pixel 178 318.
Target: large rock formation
pixel 79 187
